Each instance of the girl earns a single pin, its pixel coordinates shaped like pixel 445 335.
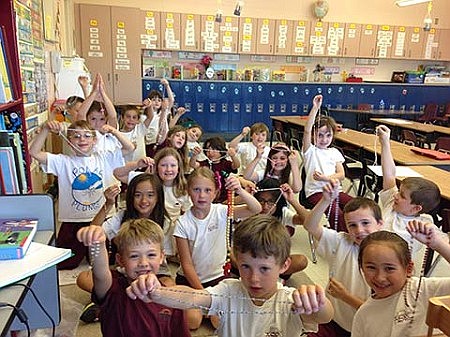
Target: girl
pixel 399 301
pixel 176 138
pixel 282 164
pixel 273 199
pixel 322 163
pixel 216 153
pixel 200 233
pixel 169 168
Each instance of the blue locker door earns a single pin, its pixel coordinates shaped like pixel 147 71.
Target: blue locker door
pixel 237 119
pixel 247 104
pixel 149 85
pixel 220 105
pixel 200 104
pixel 281 98
pixel 262 98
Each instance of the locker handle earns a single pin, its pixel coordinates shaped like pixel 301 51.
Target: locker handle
pixel 116 77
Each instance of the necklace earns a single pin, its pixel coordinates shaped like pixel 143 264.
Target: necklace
pixel 230 217
pixel 335 201
pixel 94 252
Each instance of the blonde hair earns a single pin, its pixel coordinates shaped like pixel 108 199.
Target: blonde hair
pixel 135 231
pixel 180 184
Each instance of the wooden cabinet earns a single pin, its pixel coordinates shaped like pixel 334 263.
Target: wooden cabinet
pixel 444 45
pixel 400 42
pixel 283 37
pixel 415 42
pixel 300 37
pixel 335 39
pixel 431 44
pixel 171 30
pixel 265 36
pixel 247 35
pixel 385 37
pixel 318 38
pixel 209 34
pixel 190 32
pixel 110 44
pixel 352 38
pixel 150 35
pixel 229 34
pixel 368 40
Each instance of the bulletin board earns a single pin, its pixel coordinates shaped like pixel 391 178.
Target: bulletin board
pixel 51 20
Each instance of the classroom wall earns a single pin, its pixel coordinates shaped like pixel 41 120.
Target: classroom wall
pixel 358 11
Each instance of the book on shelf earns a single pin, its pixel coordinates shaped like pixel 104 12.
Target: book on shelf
pixel 38 258
pixel 10 172
pixel 5 77
pixel 15 237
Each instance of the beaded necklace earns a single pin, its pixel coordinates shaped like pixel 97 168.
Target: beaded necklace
pixel 229 230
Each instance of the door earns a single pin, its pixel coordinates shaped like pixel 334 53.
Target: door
pixel 351 40
pixel 300 37
pixel 247 35
pixel 266 36
pixel 190 32
pixel 283 36
pixel 368 41
pixel 229 34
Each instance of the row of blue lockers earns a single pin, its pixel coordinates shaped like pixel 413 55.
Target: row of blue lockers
pixel 228 106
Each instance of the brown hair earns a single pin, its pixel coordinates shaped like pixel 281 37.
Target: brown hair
pixel 279 147
pixel 204 172
pixel 135 231
pixel 258 128
pixel 96 106
pixel 179 181
pixel 391 239
pixel 329 122
pixel 365 203
pixel 183 151
pixel 262 236
pixel 423 192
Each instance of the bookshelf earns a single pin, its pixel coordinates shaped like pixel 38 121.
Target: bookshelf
pixel 12 111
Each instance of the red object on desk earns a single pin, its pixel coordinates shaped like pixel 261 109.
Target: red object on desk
pixel 438 155
pixel 354 79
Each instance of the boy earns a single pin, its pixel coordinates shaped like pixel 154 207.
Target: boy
pixel 83 177
pixel 256 304
pixel 346 289
pixel 139 243
pixel 415 197
pixel 247 151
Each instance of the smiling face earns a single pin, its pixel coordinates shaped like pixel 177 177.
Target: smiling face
pixel 96 119
pixel 383 270
pixel 142 258
pixel 259 275
pixel 178 139
pixel 361 223
pixel 323 137
pixel 168 170
pixel 82 141
pixel 130 120
pixel 193 134
pixel 259 138
pixel 144 199
pixel 279 161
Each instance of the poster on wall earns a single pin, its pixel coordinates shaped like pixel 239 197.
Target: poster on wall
pixel 51 16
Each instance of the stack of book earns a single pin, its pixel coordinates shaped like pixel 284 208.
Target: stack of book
pixel 15 237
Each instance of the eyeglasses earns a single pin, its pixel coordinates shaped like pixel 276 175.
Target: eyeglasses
pixel 86 135
pixel 269 203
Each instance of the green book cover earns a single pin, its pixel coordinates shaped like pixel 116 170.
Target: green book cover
pixel 15 237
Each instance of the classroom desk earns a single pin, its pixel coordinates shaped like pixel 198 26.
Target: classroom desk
pixel 363 116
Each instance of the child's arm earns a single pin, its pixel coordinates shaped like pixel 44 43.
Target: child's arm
pixel 83 81
pixel 109 106
pixel 339 174
pixel 295 171
pixel 121 173
pixel 94 235
pixel 236 140
pixel 249 172
pixel 312 222
pixel 312 305
pixel 429 234
pixel 235 163
pixel 187 264
pixel 302 212
pixel 111 194
pixel 148 289
pixel 174 120
pixel 338 290
pixel 250 205
pixel 127 145
pixel 95 93
pixel 169 91
pixel 387 161
pixel 163 126
pixel 317 103
pixel 194 155
pixel 38 142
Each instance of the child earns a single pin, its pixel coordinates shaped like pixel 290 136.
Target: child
pixel 323 163
pixel 135 131
pixel 140 252
pixel 193 134
pixel 346 288
pixel 82 177
pixel 282 164
pixel 154 102
pixel 256 304
pixel 216 153
pixel 272 198
pixel 415 197
pixel 247 151
pixel 201 232
pixel 399 301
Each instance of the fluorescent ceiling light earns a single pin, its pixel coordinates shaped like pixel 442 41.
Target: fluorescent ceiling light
pixel 403 3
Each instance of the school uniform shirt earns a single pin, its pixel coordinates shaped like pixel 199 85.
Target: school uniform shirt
pixel 137 137
pixel 390 317
pixel 219 168
pixel 82 181
pixel 247 152
pixel 240 317
pixel 322 160
pixel 123 317
pixel 207 241
pixel 396 222
pixel 153 128
pixel 191 146
pixel 341 254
